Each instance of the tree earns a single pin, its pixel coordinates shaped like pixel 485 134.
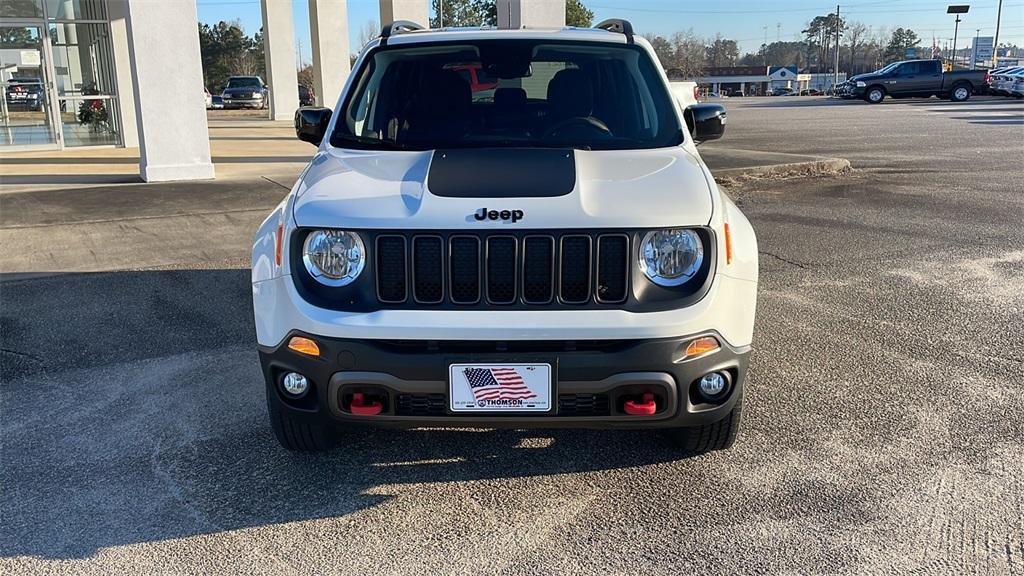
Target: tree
pixel 855 35
pixel 821 36
pixel 721 52
pixel 576 14
pixel 464 13
pixel 899 42
pixel 225 51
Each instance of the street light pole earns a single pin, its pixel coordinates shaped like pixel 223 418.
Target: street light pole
pixel 835 69
pixel 958 10
pixel 995 41
pixel 974 49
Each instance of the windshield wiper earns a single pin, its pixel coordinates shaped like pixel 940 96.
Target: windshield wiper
pixel 365 143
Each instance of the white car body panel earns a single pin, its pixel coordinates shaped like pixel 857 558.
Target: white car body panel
pixel 617 189
pixel 613 189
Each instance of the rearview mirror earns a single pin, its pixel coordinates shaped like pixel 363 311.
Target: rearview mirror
pixel 705 121
pixel 311 124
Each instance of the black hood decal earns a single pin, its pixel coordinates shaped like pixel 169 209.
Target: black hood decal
pixel 502 173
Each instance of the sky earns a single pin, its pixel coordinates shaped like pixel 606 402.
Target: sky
pixel 741 20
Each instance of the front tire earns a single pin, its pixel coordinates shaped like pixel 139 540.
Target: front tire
pixel 874 95
pixel 720 435
pixel 300 435
pixel 960 93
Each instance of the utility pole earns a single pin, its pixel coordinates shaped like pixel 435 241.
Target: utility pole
pixel 440 13
pixel 995 41
pixel 764 47
pixel 835 70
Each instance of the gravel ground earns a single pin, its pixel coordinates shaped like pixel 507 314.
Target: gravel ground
pixel 883 432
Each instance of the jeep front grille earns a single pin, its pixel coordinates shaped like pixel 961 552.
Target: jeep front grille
pixel 502 269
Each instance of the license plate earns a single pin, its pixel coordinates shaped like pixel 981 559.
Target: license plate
pixel 499 387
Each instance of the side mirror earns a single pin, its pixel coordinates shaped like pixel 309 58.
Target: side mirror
pixel 311 124
pixel 705 121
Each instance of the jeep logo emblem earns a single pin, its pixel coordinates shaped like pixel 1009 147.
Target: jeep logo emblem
pixel 507 215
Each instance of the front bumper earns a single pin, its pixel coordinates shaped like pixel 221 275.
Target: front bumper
pixel 591 381
pixel 243 102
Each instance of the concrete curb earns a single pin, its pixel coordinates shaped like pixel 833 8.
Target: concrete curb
pixel 816 167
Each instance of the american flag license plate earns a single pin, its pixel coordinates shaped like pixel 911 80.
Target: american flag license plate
pixel 500 387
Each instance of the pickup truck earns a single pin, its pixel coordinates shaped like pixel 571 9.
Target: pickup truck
pixel 915 78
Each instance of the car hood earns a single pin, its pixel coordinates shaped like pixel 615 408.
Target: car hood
pixel 446 190
pixel 865 77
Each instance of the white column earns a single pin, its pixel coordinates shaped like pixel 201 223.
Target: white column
pixel 171 110
pixel 412 10
pixel 328 28
pixel 279 51
pixel 531 13
pixel 118 11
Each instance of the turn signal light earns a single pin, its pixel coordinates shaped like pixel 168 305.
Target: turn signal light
pixel 728 244
pixel 702 346
pixel 303 346
pixel 277 244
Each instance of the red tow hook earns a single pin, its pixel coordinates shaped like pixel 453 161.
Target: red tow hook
pixel 645 408
pixel 359 407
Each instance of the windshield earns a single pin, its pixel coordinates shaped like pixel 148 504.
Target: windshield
pixel 888 68
pixel 522 93
pixel 244 83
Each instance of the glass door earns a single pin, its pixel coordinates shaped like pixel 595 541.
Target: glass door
pixel 86 83
pixel 26 115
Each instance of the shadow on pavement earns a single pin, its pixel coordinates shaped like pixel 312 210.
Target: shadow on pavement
pixel 140 417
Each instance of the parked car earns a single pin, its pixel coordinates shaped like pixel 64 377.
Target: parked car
pixel 306 96
pixel 1017 84
pixel 811 92
pixel 208 97
pixel 917 78
pixel 245 92
pixel 783 92
pixel 478 78
pixel 686 93
pixel 25 94
pixel 436 266
pixel 1001 81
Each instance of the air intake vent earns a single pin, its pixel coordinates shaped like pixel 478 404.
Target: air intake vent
pixel 391 269
pixel 575 275
pixel 428 269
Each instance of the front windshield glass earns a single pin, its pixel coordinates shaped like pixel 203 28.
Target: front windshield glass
pixel 888 68
pixel 243 83
pixel 522 93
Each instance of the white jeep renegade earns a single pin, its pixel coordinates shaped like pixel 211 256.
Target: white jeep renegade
pixel 506 228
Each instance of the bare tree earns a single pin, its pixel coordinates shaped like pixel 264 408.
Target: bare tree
pixel 689 54
pixel 856 34
pixel 369 31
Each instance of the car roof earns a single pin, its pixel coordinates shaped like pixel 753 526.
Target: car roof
pixel 490 33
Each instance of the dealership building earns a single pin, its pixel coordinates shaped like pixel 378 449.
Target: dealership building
pixel 760 80
pixel 128 73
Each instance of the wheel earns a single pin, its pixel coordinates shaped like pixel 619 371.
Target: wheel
pixel 960 93
pixel 874 95
pixel 300 435
pixel 720 435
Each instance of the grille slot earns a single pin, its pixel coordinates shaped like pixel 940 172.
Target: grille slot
pixel 583 405
pixel 612 268
pixel 428 269
pixel 538 269
pixel 574 277
pixel 391 280
pixel 420 405
pixel 501 269
pixel 464 261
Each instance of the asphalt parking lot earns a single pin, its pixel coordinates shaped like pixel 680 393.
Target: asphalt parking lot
pixel 884 414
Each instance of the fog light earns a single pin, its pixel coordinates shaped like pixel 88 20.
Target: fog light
pixel 712 385
pixel 295 384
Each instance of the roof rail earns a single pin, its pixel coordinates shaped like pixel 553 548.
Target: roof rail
pixel 397 27
pixel 618 26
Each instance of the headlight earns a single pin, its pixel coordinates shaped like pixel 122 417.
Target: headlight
pixel 671 257
pixel 334 257
pixel 257 95
pixel 860 84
